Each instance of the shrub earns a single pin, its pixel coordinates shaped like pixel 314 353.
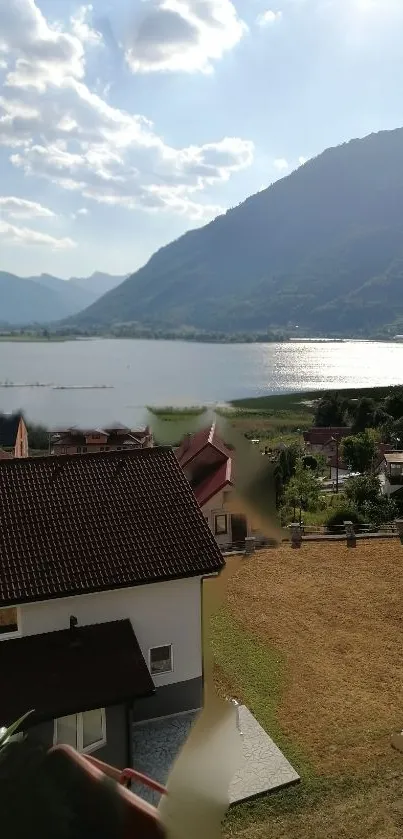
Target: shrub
pixel 337 519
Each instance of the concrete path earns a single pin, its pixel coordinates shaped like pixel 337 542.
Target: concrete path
pixel 264 768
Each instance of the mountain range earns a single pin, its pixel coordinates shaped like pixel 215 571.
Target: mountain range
pixel 44 299
pixel 321 248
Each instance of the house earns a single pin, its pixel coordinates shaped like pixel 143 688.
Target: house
pixel 102 563
pixel 338 466
pixel 109 438
pixel 324 440
pixel 5 455
pixel 209 467
pixel 14 434
pixel 391 473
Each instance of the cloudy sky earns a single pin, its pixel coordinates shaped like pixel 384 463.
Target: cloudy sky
pixel 126 122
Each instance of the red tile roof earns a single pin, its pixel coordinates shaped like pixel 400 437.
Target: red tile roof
pixel 94 522
pixel 192 445
pixel 72 670
pixel 217 481
pixel 322 436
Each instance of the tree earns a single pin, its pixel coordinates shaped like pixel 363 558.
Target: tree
pixel 365 489
pixel 303 489
pixel 364 414
pixel 310 462
pixel 359 451
pixel 394 403
pixel 330 410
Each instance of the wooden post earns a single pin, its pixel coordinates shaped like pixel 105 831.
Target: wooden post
pixel 296 535
pixel 350 534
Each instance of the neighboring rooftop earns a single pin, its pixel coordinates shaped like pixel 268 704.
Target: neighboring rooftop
pixel 393 457
pixel 5 455
pixel 322 436
pixel 9 424
pixel 94 522
pixel 72 670
pixel 193 444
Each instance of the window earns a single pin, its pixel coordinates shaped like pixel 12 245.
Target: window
pixel 78 449
pixel 84 448
pixel 161 660
pixel 9 621
pixel 86 732
pixel 221 526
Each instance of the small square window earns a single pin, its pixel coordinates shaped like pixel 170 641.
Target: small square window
pixel 161 659
pixel 93 729
pixel 85 732
pixel 221 526
pixel 66 731
pixel 8 621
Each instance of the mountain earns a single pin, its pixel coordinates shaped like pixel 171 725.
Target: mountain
pixel 24 301
pixel 44 298
pixel 321 248
pixel 98 283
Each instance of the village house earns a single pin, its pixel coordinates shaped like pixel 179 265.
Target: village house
pixel 325 440
pixel 208 464
pixel 114 437
pixel 13 435
pixel 102 563
pixel 391 473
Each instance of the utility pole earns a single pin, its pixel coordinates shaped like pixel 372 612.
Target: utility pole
pixel 337 441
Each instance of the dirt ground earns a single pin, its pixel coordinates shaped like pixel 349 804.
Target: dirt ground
pixel 336 615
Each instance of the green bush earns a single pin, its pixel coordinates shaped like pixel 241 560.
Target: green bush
pixel 337 519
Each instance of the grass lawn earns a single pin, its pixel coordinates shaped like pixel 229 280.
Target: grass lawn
pixel 310 641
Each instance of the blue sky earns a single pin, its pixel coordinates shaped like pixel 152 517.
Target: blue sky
pixel 124 124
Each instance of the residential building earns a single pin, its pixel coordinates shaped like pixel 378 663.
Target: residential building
pixel 14 434
pixel 109 438
pixel 209 467
pixel 102 560
pixel 324 440
pixel 391 473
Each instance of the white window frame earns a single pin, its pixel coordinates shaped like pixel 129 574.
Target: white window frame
pixel 160 672
pixel 219 515
pixel 79 732
pixel 17 632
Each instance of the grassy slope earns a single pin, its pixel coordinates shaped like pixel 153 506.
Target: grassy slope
pixel 314 654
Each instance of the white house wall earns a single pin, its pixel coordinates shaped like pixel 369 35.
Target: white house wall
pixel 161 613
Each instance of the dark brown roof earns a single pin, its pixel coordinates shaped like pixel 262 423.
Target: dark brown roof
pixel 9 429
pixel 322 436
pixel 72 670
pixel 94 522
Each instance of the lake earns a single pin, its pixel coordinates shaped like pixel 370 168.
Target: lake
pixel 177 373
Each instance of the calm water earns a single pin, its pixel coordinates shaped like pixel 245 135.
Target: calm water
pixel 171 372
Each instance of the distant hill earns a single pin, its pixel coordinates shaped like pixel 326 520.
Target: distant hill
pixel 45 299
pixel 321 248
pixel 98 283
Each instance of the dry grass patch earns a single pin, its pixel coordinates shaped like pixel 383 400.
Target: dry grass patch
pixel 335 616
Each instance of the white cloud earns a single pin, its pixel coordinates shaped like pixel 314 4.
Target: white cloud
pixel 302 160
pixel 183 35
pixel 9 233
pixel 64 132
pixel 281 164
pixel 82 29
pixel 21 208
pixel 82 211
pixel 269 17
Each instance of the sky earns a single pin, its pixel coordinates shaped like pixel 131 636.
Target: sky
pixel 127 122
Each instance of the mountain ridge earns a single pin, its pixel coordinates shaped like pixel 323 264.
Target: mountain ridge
pixel 318 249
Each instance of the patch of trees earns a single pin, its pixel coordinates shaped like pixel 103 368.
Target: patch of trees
pixel 383 413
